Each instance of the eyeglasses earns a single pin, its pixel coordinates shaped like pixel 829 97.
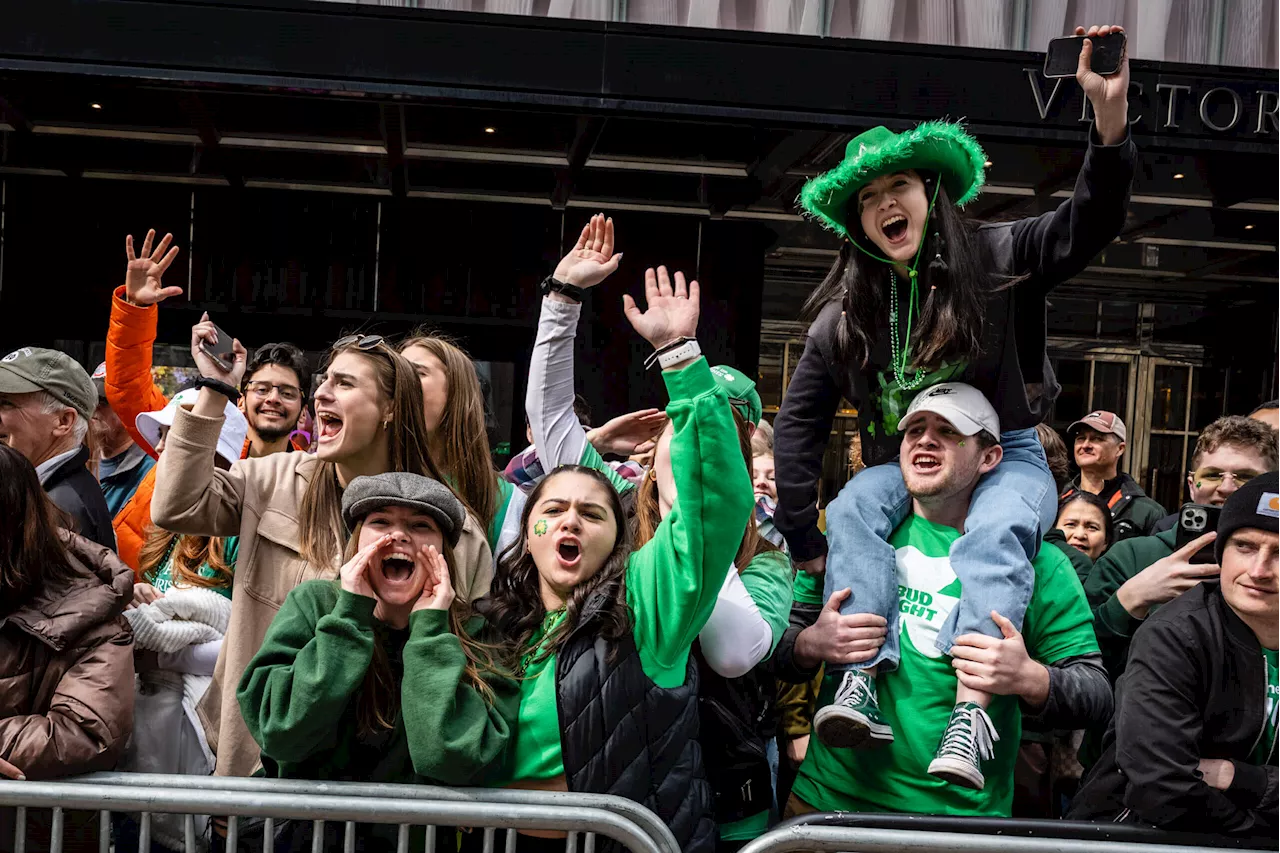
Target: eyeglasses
pixel 288 393
pixel 1214 477
pixel 362 342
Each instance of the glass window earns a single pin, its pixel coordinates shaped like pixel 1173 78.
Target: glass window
pixel 1119 319
pixel 1165 474
pixel 1111 387
pixel 1208 396
pixel 1076 317
pixel 1170 387
pixel 1073 402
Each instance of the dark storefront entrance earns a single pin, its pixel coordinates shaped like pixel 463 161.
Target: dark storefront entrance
pixel 327 167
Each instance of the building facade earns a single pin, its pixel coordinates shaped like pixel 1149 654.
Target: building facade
pixel 327 166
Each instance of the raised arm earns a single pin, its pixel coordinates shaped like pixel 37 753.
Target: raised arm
pixel 678 574
pixel 192 495
pixel 558 435
pixel 1058 245
pixel 132 334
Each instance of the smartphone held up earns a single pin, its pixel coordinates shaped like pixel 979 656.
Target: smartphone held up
pixel 1063 56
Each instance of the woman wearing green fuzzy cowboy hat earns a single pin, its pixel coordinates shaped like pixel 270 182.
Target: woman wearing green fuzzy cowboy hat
pixel 921 296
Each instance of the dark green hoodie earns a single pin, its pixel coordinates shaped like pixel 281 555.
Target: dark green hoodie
pixel 299 696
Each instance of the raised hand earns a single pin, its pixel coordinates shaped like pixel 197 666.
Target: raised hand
pixel 591 260
pixel 1001 667
pixel 836 638
pixel 355 574
pixel 1166 578
pixel 438 593
pixel 671 312
pixel 1109 95
pixel 204 332
pixel 629 434
pixel 142 285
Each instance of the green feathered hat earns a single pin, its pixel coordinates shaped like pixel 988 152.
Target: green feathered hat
pixel 933 146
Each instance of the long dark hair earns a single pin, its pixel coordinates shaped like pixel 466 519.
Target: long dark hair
pixel 953 285
pixel 515 604
pixel 32 549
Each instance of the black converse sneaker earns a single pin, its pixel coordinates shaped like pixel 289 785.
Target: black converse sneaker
pixel 966 743
pixel 853 719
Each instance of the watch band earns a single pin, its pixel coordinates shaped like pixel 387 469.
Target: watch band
pixel 226 390
pixel 552 284
pixel 675 355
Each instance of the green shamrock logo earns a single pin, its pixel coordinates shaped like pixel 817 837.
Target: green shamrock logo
pixel 541 527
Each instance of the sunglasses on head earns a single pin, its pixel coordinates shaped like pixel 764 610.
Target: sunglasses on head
pixel 361 342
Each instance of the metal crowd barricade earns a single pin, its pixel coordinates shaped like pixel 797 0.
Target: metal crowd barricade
pixel 844 832
pixel 582 816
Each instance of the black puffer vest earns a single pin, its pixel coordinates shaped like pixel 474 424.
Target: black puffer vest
pixel 622 734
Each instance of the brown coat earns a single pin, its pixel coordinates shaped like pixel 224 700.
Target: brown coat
pixel 66 683
pixel 257 500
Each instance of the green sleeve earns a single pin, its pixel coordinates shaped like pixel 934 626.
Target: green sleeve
pixel 1058 623
pixel 1079 559
pixel 673 581
pixel 591 458
pixel 455 734
pixel 768 581
pixel 808 589
pixel 311 663
pixel 1110 572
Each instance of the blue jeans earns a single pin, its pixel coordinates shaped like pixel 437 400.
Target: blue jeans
pixel 1011 508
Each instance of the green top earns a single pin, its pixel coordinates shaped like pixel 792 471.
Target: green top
pixel 299 696
pixel 678 573
pixel 1262 750
pixel 917 698
pixel 162 576
pixel 1112 623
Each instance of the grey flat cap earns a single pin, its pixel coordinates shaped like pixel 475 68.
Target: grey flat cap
pixel 365 494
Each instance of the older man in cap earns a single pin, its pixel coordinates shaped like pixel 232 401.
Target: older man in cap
pixel 46 401
pixel 1099 441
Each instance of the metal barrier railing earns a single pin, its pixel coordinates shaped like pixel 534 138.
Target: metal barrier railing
pixel 582 816
pixel 871 833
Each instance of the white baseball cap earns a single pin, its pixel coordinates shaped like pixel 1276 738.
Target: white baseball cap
pixel 230 441
pixel 964 406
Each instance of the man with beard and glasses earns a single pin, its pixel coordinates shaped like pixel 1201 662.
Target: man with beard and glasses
pixel 923 737
pixel 273 393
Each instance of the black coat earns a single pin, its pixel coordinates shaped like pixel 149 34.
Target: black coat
pixel 78 493
pixel 1013 370
pixel 1195 687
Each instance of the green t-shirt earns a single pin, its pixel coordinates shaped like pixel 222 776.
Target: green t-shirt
pixel 162 577
pixel 917 698
pixel 1267 742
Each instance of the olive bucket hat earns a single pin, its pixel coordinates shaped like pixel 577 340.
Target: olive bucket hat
pixel 932 146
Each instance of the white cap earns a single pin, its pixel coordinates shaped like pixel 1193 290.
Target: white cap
pixel 230 441
pixel 964 406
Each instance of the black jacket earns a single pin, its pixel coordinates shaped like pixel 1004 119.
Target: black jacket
pixel 622 734
pixel 738 716
pixel 78 494
pixel 1195 688
pixel 1013 370
pixel 1132 512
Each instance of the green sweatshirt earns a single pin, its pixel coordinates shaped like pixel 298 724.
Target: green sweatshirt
pixel 677 574
pixel 1079 559
pixel 1111 622
pixel 299 696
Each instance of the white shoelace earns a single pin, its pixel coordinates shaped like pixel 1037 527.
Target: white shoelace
pixel 980 741
pixel 853 689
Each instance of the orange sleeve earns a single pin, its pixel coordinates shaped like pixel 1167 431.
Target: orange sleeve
pixel 130 389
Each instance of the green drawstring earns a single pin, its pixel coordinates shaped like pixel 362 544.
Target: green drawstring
pixel 913 302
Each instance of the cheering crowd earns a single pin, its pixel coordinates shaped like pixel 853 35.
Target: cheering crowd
pixel 653 608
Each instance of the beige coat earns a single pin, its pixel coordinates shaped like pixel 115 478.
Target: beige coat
pixel 257 500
